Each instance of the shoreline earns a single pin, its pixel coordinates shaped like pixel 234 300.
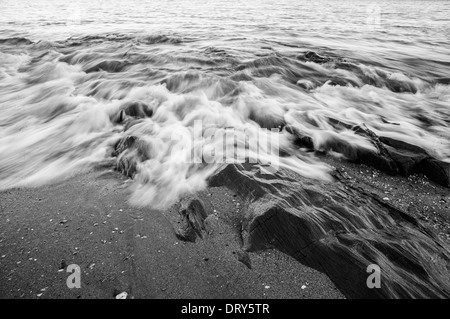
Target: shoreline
pixel 75 221
pixel 86 220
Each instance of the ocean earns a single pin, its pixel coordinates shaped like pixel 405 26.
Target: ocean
pixel 70 69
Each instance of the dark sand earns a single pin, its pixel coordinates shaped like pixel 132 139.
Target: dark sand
pixel 86 220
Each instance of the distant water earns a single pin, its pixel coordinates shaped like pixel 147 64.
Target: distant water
pixel 67 69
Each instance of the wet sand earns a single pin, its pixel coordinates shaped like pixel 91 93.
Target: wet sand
pixel 87 221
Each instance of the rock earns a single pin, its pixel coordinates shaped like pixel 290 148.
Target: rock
pixel 192 219
pixel 396 144
pixel 131 151
pixel 122 295
pixel 136 109
pixel 63 264
pixel 267 121
pixel 405 155
pixel 392 156
pixel 16 41
pixel 338 230
pixel 131 111
pixel 108 66
pixel 300 140
pixel 127 164
pixel 437 171
pixel 123 144
pixel 405 160
pixel 314 57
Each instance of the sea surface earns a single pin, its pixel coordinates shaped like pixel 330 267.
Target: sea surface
pixel 70 69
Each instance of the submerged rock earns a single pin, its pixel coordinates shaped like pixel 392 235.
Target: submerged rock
pixel 131 111
pixel 314 57
pixel 130 151
pixel 108 66
pixel 392 156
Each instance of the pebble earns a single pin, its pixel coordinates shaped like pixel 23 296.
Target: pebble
pixel 122 295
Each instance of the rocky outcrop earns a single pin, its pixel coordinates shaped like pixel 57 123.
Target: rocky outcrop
pixel 339 230
pixel 391 156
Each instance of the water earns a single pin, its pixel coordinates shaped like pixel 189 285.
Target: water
pixel 67 68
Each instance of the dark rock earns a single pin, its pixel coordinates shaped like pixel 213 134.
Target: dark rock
pixel 63 264
pixel 137 109
pixel 437 171
pixel 314 57
pixel 133 110
pixel 267 121
pixel 127 164
pixel 16 41
pixel 396 144
pixel 392 156
pixel 383 163
pixel 192 216
pixel 406 161
pixel 108 66
pixel 123 144
pixel 339 230
pixel 131 151
pixel 300 140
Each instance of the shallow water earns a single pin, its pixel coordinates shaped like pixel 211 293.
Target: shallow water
pixel 67 69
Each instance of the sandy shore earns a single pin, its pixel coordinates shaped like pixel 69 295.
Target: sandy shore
pixel 87 221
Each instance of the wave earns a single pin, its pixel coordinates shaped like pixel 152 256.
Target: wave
pixel 69 98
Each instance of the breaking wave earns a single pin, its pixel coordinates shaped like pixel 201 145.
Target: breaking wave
pixel 66 104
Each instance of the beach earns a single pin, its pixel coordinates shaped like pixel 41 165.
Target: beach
pixel 122 248
pixel 87 220
pixel 225 149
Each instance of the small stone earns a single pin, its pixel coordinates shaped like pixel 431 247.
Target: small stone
pixel 122 295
